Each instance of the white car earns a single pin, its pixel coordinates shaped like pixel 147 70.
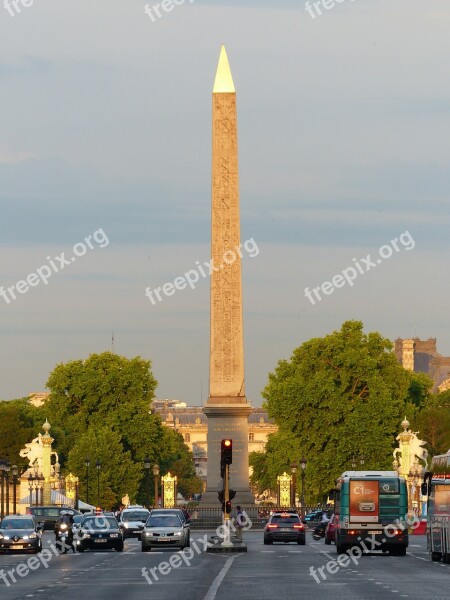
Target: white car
pixel 132 521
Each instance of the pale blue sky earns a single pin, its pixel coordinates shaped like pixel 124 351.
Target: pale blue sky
pixel 105 122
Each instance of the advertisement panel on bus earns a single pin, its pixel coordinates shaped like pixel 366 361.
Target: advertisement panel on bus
pixel 364 501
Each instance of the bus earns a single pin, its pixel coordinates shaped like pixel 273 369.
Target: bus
pixel 370 512
pixel 436 487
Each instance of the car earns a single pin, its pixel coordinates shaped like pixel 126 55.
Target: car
pixel 132 521
pixel 48 515
pixel 284 527
pixel 162 530
pixel 20 532
pixel 330 531
pixel 97 532
pixel 180 513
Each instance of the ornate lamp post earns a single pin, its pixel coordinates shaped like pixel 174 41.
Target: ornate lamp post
pixel 87 462
pixel 2 489
pixel 7 470
pixel 156 478
pixel 147 481
pixel 30 487
pixel 303 466
pixel 98 466
pixel 15 472
pixel 294 467
pixel 41 488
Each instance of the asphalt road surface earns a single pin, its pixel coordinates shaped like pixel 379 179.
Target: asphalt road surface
pixel 277 572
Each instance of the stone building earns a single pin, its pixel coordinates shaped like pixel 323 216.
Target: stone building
pixel 191 423
pixel 421 356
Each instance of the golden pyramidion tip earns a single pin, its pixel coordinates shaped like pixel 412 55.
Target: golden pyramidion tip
pixel 224 80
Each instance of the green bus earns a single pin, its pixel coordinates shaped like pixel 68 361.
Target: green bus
pixel 370 511
pixel 437 487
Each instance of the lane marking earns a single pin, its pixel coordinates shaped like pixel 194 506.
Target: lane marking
pixel 211 594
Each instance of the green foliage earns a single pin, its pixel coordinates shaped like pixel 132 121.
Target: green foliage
pixel 339 396
pixel 419 393
pixel 113 393
pixel 281 450
pixel 433 425
pixel 19 423
pixel 118 474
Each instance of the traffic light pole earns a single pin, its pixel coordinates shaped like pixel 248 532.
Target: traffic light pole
pixel 227 516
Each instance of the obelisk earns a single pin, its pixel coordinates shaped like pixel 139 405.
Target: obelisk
pixel 227 408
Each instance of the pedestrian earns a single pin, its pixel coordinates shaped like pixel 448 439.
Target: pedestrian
pixel 239 522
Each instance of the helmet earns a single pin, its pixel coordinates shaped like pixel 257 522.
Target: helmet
pixel 70 512
pixel 62 513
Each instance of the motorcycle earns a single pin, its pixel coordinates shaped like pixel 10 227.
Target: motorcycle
pixel 64 537
pixel 319 531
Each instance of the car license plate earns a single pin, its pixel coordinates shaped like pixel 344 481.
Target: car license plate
pixel 374 532
pixel 17 547
pixel 285 529
pixel 164 539
pixel 101 541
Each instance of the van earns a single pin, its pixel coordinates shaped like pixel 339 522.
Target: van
pixel 48 515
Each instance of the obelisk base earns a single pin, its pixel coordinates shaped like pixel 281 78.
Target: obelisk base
pixel 228 420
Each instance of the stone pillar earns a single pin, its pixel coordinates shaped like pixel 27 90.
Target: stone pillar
pixel 408 355
pixel 227 408
pixel 47 441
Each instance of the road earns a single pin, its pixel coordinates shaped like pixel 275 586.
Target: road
pixel 280 571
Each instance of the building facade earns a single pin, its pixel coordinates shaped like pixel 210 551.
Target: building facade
pixel 421 356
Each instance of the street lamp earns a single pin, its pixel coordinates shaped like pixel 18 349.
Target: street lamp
pixel 7 470
pixel 41 479
pixel 294 482
pixel 98 466
pixel 303 466
pixel 156 478
pixel 14 471
pixel 147 481
pixel 87 462
pixel 2 488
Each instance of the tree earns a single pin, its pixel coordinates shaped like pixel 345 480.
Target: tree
pixel 340 396
pixel 433 424
pixel 118 474
pixel 20 422
pixel 107 390
pixel 280 451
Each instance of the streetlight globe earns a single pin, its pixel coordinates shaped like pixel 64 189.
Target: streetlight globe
pixel 156 470
pixel 147 464
pixel 303 463
pixel 15 470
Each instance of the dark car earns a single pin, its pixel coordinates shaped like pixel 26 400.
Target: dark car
pixel 97 532
pixel 284 527
pixel 330 531
pixel 132 521
pixel 48 515
pixel 20 533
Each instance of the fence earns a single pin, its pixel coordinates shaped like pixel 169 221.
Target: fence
pixel 208 517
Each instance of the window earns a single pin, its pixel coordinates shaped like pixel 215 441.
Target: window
pixel 187 437
pixel 251 437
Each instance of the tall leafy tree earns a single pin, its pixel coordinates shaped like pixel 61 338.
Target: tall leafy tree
pixel 342 395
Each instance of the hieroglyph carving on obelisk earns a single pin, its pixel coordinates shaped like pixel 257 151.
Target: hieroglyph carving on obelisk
pixel 226 348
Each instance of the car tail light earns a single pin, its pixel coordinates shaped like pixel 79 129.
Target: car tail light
pixel 271 526
pixel 298 526
pixel 352 532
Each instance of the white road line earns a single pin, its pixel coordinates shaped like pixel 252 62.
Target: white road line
pixel 211 594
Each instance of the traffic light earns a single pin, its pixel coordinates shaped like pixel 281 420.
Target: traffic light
pixel 226 455
pixel 228 507
pixel 221 496
pixel 231 494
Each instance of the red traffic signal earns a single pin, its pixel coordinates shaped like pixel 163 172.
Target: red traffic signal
pixel 226 455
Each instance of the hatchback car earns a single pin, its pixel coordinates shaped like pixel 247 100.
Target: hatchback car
pixel 175 511
pixel 284 527
pixel 132 521
pixel 164 530
pixel 97 532
pixel 20 533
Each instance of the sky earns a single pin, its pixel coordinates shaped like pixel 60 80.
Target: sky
pixel 105 131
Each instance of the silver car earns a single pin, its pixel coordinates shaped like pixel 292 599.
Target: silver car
pixel 164 530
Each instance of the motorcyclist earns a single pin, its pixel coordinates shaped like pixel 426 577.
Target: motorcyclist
pixel 65 518
pixel 320 528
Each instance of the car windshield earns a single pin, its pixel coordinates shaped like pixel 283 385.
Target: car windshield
pixel 164 521
pixel 135 516
pixel 17 524
pixel 100 523
pixel 285 519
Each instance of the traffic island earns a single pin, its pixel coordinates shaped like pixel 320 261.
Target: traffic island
pixel 217 548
